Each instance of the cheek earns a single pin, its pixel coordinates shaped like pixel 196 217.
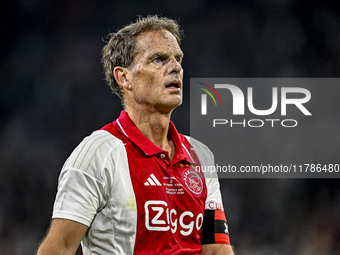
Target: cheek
pixel 182 73
pixel 146 78
pixel 138 76
pixel 137 70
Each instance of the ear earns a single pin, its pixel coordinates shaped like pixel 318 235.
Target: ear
pixel 121 75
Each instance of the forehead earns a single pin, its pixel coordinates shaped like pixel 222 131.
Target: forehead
pixel 155 41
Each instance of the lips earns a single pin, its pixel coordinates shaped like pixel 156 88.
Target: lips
pixel 175 84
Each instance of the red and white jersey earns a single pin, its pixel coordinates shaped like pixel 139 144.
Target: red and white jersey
pixel 133 199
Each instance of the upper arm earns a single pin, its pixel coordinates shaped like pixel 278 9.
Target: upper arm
pixel 215 233
pixel 63 237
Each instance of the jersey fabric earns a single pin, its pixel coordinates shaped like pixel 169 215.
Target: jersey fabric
pixel 133 199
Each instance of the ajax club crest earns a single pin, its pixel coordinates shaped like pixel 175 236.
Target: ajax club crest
pixel 193 181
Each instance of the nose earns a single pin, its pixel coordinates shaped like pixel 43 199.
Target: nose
pixel 175 66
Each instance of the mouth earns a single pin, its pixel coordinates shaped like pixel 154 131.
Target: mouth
pixel 174 85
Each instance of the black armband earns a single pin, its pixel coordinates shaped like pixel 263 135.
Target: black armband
pixel 215 228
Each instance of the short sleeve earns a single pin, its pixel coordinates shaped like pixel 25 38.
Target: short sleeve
pixel 83 182
pixel 79 196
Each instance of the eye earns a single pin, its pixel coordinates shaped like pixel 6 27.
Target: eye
pixel 158 60
pixel 178 59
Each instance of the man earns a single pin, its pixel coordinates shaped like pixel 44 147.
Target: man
pixel 130 187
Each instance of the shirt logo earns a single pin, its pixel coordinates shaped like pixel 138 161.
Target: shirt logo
pixel 193 182
pixel 160 217
pixel 152 181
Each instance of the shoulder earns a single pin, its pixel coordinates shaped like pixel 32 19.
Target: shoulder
pixel 202 151
pixel 94 149
pixel 195 143
pixel 205 157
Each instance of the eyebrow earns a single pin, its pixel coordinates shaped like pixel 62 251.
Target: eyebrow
pixel 158 54
pixel 163 54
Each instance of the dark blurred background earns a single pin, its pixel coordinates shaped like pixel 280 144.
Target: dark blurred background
pixel 53 94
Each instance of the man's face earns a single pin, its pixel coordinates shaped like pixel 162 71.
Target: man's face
pixel 156 72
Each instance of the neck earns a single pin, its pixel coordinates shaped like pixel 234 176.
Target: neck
pixel 155 126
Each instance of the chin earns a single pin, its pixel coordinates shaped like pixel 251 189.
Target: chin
pixel 176 103
pixel 170 106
